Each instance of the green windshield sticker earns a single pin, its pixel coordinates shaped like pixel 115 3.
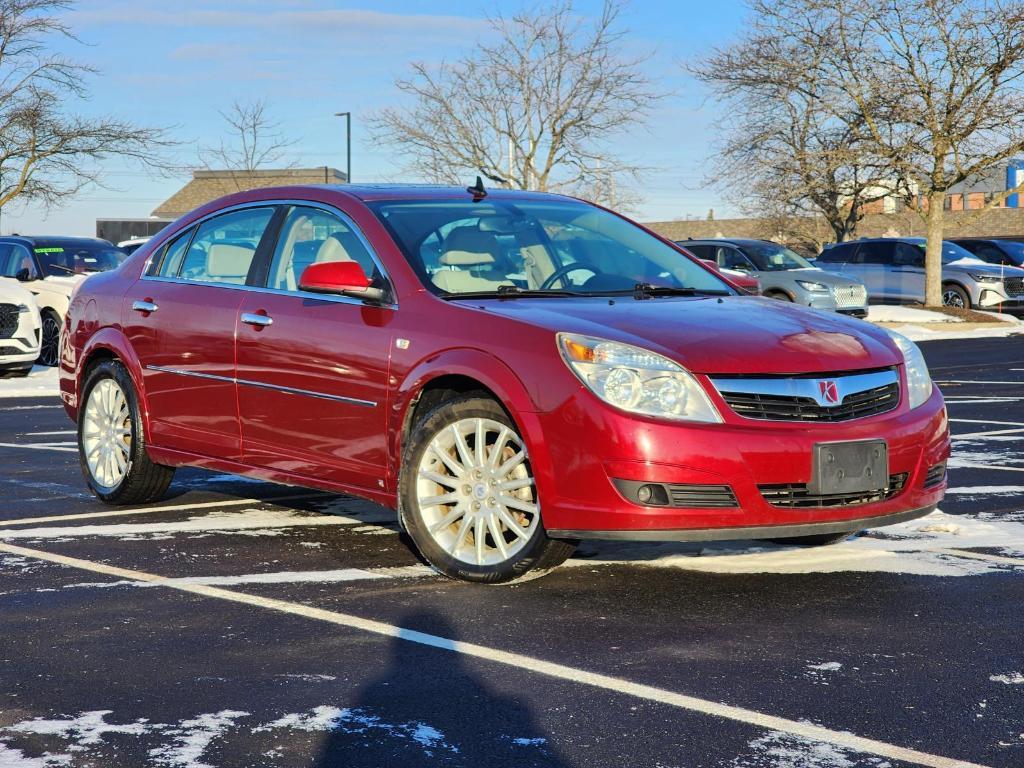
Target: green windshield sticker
pixel 49 250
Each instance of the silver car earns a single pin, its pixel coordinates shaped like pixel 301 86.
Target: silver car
pixel 784 274
pixel 893 271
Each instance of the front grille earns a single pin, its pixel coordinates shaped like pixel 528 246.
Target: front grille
pixel 859 405
pixel 8 320
pixel 796 496
pixel 702 496
pixel 935 475
pixel 849 296
pixel 1014 286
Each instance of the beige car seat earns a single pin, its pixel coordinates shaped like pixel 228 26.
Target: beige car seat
pixel 467 247
pixel 228 263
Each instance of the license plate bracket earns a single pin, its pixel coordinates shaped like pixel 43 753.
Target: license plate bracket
pixel 849 467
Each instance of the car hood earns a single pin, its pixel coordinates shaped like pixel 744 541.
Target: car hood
pixel 809 274
pixel 12 292
pixel 982 268
pixel 710 335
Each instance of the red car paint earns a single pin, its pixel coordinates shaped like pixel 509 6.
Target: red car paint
pixel 386 355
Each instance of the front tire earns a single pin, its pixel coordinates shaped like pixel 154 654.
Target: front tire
pixel 49 348
pixel 111 444
pixel 467 496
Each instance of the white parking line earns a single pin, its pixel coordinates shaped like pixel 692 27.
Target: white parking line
pixel 9 408
pixel 283 577
pixel 42 446
pixel 990 421
pixel 150 510
pixel 802 729
pixel 987 434
pixel 962 381
pixel 46 434
pixel 954 464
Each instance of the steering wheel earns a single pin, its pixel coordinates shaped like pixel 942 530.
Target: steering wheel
pixel 564 270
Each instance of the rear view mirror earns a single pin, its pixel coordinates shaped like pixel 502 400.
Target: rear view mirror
pixel 342 278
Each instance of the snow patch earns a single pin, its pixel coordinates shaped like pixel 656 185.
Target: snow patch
pixel 88 728
pixel 776 750
pixel 911 548
pixel 827 666
pixel 41 381
pixel 193 737
pixel 983 490
pixel 1014 678
pixel 245 522
pixel 898 314
pixel 357 721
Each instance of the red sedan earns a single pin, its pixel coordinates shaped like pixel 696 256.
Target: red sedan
pixel 511 371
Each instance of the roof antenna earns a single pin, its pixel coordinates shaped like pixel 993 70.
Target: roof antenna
pixel 477 190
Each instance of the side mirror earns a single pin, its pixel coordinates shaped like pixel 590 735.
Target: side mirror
pixel 342 278
pixel 22 275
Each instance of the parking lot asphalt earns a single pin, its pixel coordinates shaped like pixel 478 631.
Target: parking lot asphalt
pixel 240 623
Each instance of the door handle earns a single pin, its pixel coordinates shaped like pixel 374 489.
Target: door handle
pixel 259 321
pixel 145 306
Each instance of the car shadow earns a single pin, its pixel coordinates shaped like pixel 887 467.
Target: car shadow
pixel 431 707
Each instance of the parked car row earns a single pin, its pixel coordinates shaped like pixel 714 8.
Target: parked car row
pixel 893 270
pixel 49 269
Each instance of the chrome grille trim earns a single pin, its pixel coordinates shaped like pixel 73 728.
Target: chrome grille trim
pixel 802 399
pixel 850 296
pixel 1014 286
pixel 8 320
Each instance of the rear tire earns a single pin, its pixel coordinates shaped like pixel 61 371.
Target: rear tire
pixel 111 443
pixel 815 539
pixel 467 496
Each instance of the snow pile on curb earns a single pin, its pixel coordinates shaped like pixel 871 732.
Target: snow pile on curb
pixel 923 324
pixel 41 382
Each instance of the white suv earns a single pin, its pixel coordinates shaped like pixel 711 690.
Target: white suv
pixel 19 330
pixel 51 268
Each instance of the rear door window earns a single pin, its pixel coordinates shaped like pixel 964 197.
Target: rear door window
pixel 875 253
pixel 224 247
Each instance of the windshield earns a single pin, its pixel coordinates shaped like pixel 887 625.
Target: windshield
pixel 1014 249
pixel 950 251
pixel 769 257
pixel 77 258
pixel 465 247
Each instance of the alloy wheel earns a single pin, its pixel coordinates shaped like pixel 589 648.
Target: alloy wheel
pixel 952 298
pixel 475 492
pixel 107 433
pixel 50 347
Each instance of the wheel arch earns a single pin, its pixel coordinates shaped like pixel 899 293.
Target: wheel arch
pixel 457 372
pixel 111 344
pixel 947 281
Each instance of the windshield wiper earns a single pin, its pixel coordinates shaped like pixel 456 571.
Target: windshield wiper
pixel 643 291
pixel 62 268
pixel 511 292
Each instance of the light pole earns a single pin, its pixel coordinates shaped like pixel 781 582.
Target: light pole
pixel 348 144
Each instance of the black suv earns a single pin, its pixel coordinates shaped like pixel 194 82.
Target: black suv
pixel 1009 253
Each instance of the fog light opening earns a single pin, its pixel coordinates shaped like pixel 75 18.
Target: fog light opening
pixel 652 495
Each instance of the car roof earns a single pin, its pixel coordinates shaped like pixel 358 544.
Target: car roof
pixel 57 239
pixel 371 192
pixel 725 240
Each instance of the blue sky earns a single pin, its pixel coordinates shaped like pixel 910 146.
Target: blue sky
pixel 176 64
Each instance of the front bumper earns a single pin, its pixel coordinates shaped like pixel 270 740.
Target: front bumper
pixel 587 446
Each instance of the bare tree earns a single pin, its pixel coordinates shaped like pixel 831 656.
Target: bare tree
pixel 531 110
pixel 253 140
pixel 936 85
pixel 793 146
pixel 46 152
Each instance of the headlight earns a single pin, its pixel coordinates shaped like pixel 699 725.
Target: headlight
pixel 636 380
pixel 985 278
pixel 24 309
pixel 919 381
pixel 807 285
